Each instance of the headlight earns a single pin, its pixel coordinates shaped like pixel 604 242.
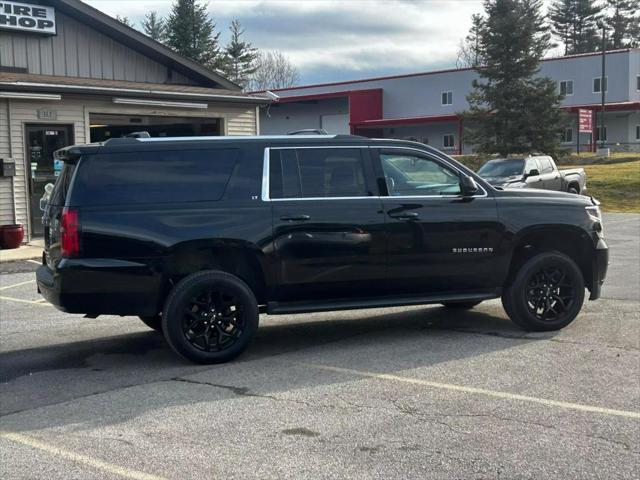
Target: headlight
pixel 596 216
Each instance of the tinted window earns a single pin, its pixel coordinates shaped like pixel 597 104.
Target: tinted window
pixel 154 177
pixel 409 175
pixel 317 173
pixel 59 193
pixel 503 168
pixel 545 165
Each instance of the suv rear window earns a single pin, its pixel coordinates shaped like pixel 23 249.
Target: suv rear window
pixel 154 177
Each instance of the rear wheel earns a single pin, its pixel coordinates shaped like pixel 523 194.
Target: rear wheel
pixel 154 322
pixel 574 189
pixel 461 305
pixel 210 317
pixel 547 293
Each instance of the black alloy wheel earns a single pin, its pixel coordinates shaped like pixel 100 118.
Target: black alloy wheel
pixel 550 294
pixel 210 317
pixel 546 293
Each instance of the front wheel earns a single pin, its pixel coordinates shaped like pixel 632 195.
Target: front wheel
pixel 547 293
pixel 210 317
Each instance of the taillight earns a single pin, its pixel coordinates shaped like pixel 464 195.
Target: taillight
pixel 69 232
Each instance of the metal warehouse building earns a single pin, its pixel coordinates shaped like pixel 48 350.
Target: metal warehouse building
pixel 71 74
pixel 425 106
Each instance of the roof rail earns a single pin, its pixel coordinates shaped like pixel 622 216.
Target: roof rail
pixel 309 131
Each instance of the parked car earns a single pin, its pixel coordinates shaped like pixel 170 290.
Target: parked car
pixel 197 236
pixel 533 172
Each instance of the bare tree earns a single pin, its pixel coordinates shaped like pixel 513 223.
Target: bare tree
pixel 470 50
pixel 273 70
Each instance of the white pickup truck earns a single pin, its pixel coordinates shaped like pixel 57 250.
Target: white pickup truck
pixel 533 172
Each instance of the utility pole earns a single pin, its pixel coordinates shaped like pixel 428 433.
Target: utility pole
pixel 602 82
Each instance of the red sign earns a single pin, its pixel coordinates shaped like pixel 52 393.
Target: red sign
pixel 585 121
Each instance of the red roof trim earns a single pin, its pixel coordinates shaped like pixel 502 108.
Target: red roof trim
pixel 607 106
pixel 434 72
pixel 405 121
pixel 321 96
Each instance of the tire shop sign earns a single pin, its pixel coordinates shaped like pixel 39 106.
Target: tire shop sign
pixel 26 17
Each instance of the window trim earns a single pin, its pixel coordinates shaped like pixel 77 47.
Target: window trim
pixel 563 140
pixel 593 86
pixel 378 148
pixel 453 136
pixel 560 87
pixel 266 172
pixel 447 92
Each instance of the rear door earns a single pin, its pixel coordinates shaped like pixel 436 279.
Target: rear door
pixel 328 223
pixel 439 241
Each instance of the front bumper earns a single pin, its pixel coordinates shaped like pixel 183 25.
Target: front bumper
pixel 599 269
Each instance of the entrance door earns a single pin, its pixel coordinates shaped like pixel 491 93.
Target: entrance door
pixel 41 142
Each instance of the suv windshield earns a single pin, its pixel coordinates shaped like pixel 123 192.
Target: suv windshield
pixel 502 168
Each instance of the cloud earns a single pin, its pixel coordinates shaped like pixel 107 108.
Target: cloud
pixel 338 40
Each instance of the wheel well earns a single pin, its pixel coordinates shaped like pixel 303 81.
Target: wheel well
pixel 241 261
pixel 574 184
pixel 575 245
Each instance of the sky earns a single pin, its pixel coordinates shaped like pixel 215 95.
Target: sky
pixel 332 40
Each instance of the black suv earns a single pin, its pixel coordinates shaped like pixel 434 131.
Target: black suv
pixel 197 236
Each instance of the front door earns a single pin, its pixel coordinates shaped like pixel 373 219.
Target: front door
pixel 439 241
pixel 328 223
pixel 41 142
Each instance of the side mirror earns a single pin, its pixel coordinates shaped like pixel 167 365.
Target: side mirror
pixel 532 173
pixel 468 185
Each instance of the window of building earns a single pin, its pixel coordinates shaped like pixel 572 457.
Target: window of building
pixel 316 173
pixel 567 135
pixel 599 137
pixel 597 84
pixel 447 98
pixel 637 132
pixel 448 141
pixel 412 175
pixel 566 87
pixel 638 82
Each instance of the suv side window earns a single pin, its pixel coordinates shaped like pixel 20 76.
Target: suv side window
pixel 531 164
pixel 316 173
pixel 412 175
pixel 154 177
pixel 545 165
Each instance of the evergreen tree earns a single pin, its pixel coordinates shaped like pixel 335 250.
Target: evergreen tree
pixel 623 22
pixel 240 56
pixel 126 21
pixel 575 23
pixel 153 26
pixel 191 32
pixel 511 110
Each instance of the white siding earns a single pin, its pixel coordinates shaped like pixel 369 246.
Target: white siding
pixel 6 196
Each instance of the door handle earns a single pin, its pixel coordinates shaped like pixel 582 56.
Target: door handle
pixel 406 216
pixel 295 218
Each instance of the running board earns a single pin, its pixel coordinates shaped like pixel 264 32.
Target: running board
pixel 277 308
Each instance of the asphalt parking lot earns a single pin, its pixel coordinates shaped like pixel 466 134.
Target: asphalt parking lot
pixel 416 392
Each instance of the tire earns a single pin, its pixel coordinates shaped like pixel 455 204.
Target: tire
pixel 574 189
pixel 210 317
pixel 461 305
pixel 154 322
pixel 546 294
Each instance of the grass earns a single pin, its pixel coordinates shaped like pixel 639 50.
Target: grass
pixel 616 186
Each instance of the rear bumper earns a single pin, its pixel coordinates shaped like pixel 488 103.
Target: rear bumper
pixel 101 287
pixel 599 269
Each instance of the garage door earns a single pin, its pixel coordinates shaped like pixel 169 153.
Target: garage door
pixel 336 124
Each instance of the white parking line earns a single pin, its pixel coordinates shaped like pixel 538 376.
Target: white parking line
pixel 77 458
pixel 35 261
pixel 7 287
pixel 480 391
pixel 31 302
